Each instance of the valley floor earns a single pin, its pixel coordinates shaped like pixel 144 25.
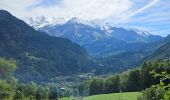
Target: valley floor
pixel 114 96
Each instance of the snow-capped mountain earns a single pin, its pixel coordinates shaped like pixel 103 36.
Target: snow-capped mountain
pixel 76 20
pixel 100 39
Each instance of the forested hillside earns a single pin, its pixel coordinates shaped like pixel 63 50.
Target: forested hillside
pixel 38 55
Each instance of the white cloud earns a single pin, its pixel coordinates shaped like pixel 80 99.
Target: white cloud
pixel 17 7
pixel 144 8
pixel 148 14
pixel 85 9
pixel 116 10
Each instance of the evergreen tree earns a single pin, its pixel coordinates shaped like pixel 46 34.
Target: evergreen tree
pixel 134 81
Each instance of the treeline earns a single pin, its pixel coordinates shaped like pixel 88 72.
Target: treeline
pixel 11 89
pixel 131 81
pixel 32 91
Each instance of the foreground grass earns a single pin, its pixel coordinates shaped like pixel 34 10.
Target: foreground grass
pixel 114 96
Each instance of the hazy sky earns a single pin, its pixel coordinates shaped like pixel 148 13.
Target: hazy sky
pixel 149 15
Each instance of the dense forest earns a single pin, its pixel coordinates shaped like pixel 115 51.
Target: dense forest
pixel 152 78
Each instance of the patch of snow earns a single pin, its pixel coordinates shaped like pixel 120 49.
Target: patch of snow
pixel 42 21
pixel 140 32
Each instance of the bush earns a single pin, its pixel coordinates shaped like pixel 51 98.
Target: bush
pixel 158 92
pixel 153 93
pixel 6 90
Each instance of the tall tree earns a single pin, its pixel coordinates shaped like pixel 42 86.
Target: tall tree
pixel 134 82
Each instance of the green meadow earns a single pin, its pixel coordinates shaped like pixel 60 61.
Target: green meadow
pixel 114 96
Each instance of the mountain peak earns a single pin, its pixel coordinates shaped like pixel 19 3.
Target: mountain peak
pixel 79 21
pixel 75 20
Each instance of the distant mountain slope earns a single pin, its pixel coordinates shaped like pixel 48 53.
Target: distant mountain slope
pixel 133 35
pixel 163 52
pixel 39 56
pixel 129 59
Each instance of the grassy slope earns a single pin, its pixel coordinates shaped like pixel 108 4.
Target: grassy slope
pixel 114 96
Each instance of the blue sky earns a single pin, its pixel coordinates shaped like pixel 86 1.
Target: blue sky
pixel 147 15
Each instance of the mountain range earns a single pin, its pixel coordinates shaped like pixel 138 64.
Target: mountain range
pixel 75 46
pixel 100 41
pixel 114 48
